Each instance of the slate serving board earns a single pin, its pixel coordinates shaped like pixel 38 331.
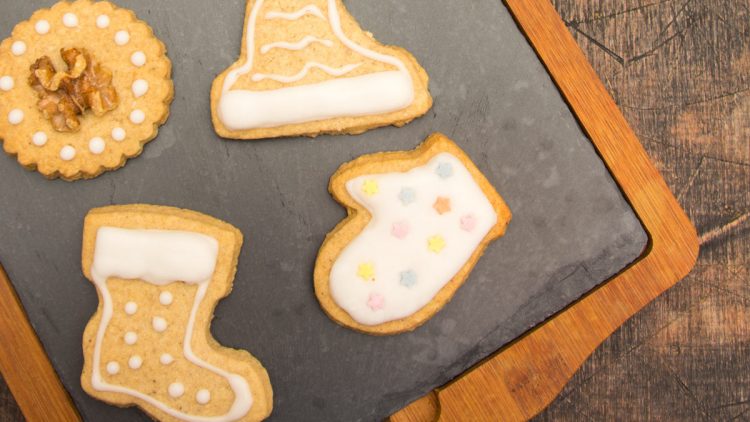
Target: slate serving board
pixel 572 228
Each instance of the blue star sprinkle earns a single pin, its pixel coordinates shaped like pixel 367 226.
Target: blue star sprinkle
pixel 407 196
pixel 444 170
pixel 408 278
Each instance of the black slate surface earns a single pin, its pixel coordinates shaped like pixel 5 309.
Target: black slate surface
pixel 572 228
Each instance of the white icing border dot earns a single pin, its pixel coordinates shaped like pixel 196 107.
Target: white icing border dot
pixel 97 145
pixel 159 324
pixel 138 59
pixel 39 139
pixel 67 153
pixel 102 21
pixel 140 88
pixel 7 83
pixel 15 117
pixel 118 134
pixel 42 27
pixel 135 362
pixel 131 308
pixel 70 20
pixel 166 359
pixel 18 48
pixel 137 116
pixel 113 368
pixel 122 37
pixel 176 389
pixel 203 396
pixel 130 338
pixel 166 298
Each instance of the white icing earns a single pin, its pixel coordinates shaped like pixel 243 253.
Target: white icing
pixel 293 16
pixel 113 368
pixel 135 362
pixel 42 27
pixel 159 324
pixel 118 134
pixel 67 153
pixel 176 389
pixel 166 298
pixel 15 116
pixel 140 88
pixel 333 71
pixel 296 46
pixel 6 83
pixel 97 145
pixel 131 308
pixel 122 37
pixel 39 139
pixel 130 338
pixel 102 21
pixel 137 116
pixel 391 255
pixel 161 257
pixel 70 20
pixel 166 359
pixel 18 48
pixel 138 59
pixel 370 94
pixel 203 396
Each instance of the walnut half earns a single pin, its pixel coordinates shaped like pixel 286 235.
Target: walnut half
pixel 64 96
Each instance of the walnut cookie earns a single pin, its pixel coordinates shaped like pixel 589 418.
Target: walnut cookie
pixel 83 86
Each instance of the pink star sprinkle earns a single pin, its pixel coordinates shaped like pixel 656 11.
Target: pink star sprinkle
pixel 376 302
pixel 400 230
pixel 468 223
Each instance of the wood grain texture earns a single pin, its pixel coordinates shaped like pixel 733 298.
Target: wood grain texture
pixel 679 71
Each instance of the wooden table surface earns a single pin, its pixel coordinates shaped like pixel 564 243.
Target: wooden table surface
pixel 680 72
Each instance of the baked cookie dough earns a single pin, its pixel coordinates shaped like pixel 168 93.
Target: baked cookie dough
pixel 159 273
pixel 83 86
pixel 307 68
pixel 418 221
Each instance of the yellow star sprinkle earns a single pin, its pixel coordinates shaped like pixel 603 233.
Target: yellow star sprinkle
pixel 370 187
pixel 366 271
pixel 436 243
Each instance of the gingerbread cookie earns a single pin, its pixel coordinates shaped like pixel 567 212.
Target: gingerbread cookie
pixel 159 273
pixel 307 68
pixel 83 86
pixel 418 222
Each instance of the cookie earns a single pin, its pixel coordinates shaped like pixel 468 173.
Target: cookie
pixel 418 221
pixel 159 273
pixel 307 68
pixel 83 86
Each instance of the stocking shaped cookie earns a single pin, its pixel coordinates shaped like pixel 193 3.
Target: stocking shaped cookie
pixel 418 223
pixel 307 68
pixel 159 273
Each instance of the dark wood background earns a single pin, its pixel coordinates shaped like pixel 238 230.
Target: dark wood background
pixel 680 72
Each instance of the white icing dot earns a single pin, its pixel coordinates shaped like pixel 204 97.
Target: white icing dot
pixel 41 27
pixel 203 396
pixel 6 83
pixel 131 338
pixel 176 389
pixel 166 298
pixel 122 37
pixel 138 59
pixel 159 324
pixel 96 145
pixel 39 139
pixel 70 20
pixel 140 88
pixel 137 116
pixel 135 362
pixel 15 116
pixel 118 134
pixel 131 308
pixel 102 21
pixel 113 368
pixel 67 153
pixel 18 48
pixel 166 359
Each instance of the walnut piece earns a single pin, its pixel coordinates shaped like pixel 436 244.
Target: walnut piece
pixel 64 96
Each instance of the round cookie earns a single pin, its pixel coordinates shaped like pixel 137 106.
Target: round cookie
pixel 106 121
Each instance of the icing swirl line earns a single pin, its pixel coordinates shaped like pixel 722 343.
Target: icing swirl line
pixel 293 16
pixel 299 45
pixel 333 71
